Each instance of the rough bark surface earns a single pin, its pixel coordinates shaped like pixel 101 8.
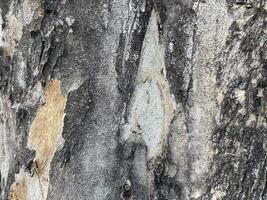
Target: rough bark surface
pixel 133 99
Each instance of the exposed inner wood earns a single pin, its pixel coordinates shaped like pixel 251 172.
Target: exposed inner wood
pixel 47 126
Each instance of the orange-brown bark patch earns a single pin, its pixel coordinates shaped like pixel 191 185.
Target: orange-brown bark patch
pixel 47 126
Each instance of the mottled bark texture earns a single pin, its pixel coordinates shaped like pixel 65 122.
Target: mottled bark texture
pixel 133 99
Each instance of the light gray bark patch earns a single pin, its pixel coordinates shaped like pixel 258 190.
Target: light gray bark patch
pixel 129 51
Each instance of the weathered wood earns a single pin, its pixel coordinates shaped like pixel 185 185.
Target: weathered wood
pixel 142 99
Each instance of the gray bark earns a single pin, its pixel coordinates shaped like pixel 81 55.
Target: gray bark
pixel 133 99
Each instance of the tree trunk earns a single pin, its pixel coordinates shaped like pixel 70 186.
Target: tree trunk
pixel 133 100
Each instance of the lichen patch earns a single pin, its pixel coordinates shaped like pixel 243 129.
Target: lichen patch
pixel 217 194
pixel 240 95
pixel 252 119
pixel 12 35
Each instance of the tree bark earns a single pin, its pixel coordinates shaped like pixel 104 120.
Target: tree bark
pixel 133 99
